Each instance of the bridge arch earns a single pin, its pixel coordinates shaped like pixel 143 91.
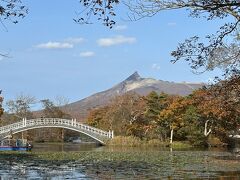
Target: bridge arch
pixel 24 125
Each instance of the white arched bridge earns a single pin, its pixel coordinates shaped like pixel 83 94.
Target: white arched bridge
pixel 24 125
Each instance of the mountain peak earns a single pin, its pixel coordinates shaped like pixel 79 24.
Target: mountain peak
pixel 134 77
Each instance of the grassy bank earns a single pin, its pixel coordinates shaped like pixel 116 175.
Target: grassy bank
pixel 134 142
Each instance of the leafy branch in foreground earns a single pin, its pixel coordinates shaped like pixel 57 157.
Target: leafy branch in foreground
pixel 217 52
pixel 12 10
pixel 222 48
pixel 102 9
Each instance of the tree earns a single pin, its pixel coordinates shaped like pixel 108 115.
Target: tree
pixel 21 106
pixel 192 130
pixel 217 52
pixel 50 110
pixel 96 118
pixel 124 115
pixel 172 115
pixel 121 113
pixel 61 101
pixel 155 103
pixel 219 107
pixel 138 125
pixel 102 9
pixel 11 10
pixel 221 50
pixel 227 93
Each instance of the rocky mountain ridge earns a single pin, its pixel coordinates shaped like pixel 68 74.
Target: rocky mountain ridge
pixel 134 83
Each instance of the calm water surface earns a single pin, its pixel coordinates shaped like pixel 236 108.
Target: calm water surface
pixel 87 161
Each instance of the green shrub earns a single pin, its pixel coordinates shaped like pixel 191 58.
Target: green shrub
pixel 197 139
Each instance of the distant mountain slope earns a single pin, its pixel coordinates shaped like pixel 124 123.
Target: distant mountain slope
pixel 134 83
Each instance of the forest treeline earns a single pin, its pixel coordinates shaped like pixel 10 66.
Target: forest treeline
pixel 212 110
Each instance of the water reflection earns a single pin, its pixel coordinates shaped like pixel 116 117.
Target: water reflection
pixel 63 147
pixel 93 162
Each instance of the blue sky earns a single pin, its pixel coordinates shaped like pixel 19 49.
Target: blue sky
pixel 53 56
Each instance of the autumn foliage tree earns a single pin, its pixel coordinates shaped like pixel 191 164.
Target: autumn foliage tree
pixel 212 110
pixel 124 115
pixel 220 106
pixel 96 118
pixel 172 115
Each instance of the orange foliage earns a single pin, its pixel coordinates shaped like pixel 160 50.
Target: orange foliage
pixel 173 113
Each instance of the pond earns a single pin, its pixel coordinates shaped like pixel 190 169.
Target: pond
pixel 87 161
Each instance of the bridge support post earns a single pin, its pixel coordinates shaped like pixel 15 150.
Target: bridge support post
pixel 75 122
pixel 72 122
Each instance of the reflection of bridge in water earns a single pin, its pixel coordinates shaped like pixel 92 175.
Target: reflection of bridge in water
pixel 24 125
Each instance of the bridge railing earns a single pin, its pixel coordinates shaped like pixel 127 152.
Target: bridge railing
pixel 56 122
pixel 10 127
pixel 66 122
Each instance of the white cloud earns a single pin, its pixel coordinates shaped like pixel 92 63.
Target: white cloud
pixel 172 24
pixel 116 40
pixel 87 54
pixel 65 44
pixel 74 40
pixel 155 66
pixel 120 27
pixel 55 45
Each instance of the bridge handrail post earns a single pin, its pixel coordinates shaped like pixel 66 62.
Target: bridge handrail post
pixel 109 133
pixel 24 122
pixel 112 134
